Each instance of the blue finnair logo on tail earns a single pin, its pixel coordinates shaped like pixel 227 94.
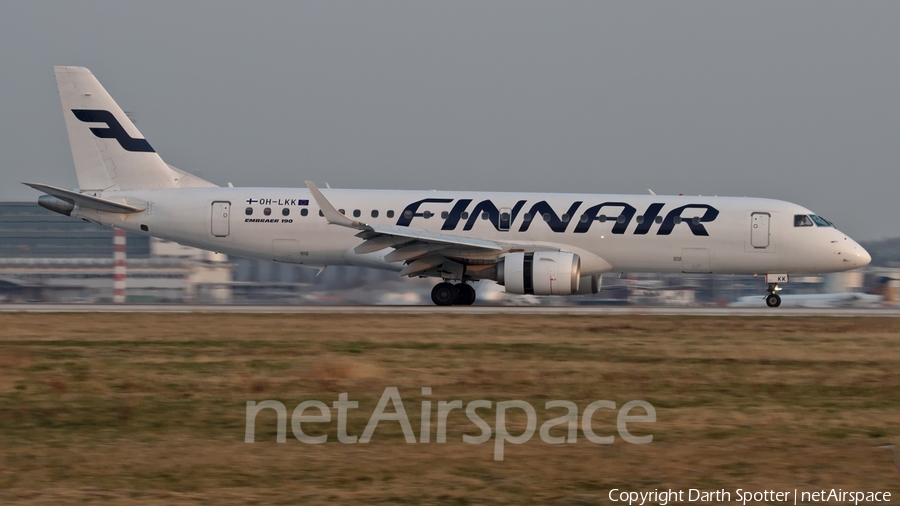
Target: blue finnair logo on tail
pixel 114 130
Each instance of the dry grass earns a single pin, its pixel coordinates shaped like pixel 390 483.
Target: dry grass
pixel 143 408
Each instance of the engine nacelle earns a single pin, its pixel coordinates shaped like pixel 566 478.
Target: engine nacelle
pixel 540 273
pixel 56 205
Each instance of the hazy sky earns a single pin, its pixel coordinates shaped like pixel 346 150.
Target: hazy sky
pixel 791 100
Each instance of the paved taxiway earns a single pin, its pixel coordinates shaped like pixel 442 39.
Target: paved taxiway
pixel 478 309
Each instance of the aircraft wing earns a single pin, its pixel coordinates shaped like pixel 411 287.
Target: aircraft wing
pixel 422 251
pixel 432 238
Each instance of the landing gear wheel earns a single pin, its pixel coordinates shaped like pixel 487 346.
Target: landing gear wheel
pixel 773 300
pixel 444 294
pixel 466 295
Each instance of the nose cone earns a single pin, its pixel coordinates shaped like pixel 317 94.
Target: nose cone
pixel 855 255
pixel 863 256
pixel 847 254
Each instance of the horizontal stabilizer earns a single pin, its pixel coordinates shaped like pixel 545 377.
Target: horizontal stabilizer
pixel 86 201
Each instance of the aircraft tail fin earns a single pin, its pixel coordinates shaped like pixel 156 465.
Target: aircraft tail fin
pixel 109 151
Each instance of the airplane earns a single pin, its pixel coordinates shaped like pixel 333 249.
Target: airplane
pixel 531 243
pixel 826 300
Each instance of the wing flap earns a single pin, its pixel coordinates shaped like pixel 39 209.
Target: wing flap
pixel 414 250
pixel 430 237
pixel 423 264
pixel 376 243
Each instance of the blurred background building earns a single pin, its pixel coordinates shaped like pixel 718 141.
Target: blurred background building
pixel 47 257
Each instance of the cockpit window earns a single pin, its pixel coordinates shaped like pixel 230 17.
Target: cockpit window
pixel 802 220
pixel 820 221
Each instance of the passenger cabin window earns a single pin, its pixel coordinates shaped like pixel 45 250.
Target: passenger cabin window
pixel 464 215
pixel 356 213
pixel 304 211
pixel 390 214
pixel 444 215
pixel 267 211
pixel 321 213
pixel 342 211
pixel 374 213
pixel 802 220
pixel 285 212
pixel 249 211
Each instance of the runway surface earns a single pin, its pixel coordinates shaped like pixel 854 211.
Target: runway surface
pixel 478 309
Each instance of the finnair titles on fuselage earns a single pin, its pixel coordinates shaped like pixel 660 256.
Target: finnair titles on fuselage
pixel 532 243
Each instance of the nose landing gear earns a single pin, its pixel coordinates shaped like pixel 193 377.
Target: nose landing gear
pixel 773 299
pixel 448 294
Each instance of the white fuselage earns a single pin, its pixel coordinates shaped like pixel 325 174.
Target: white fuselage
pixel 732 235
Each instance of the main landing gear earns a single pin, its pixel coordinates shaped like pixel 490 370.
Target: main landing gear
pixel 773 300
pixel 448 294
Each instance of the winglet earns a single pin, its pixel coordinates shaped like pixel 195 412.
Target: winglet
pixel 332 214
pixel 336 218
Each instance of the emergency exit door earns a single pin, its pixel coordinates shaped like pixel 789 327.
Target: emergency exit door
pixel 759 231
pixel 221 216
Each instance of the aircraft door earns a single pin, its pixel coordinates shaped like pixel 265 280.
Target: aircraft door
pixel 759 230
pixel 505 219
pixel 221 219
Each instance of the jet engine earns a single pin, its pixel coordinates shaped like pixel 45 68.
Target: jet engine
pixel 540 273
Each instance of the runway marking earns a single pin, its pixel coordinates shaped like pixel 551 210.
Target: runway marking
pixel 537 310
